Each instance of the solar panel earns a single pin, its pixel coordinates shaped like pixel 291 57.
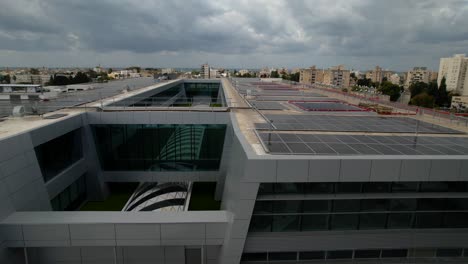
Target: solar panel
pixel 323 144
pixel 326 106
pixel 268 105
pixel 355 124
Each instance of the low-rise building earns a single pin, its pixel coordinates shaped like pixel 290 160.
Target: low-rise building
pixel 337 76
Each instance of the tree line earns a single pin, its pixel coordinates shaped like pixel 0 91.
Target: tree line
pixel 430 95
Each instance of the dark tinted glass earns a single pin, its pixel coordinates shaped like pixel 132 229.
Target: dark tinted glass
pixel 434 186
pixel 289 188
pixel 399 220
pixel 368 205
pixel 254 257
pixel 311 255
pixel 431 204
pixel 348 187
pixel 346 205
pixel 449 252
pixel 394 253
pixel 405 187
pixel 372 221
pixel 286 223
pixel 340 254
pixel 159 147
pixel 403 204
pixel 263 207
pixel 456 204
pixel 376 187
pixel 314 222
pixel 56 155
pixel 315 188
pixel 370 253
pixel 287 206
pixel 428 220
pixel 265 188
pixel 456 220
pixel 314 206
pixel 282 256
pixel 261 223
pixel 344 221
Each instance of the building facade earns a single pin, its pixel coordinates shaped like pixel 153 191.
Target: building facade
pixel 333 186
pixel 337 76
pixel 419 74
pixel 454 70
pixel 311 75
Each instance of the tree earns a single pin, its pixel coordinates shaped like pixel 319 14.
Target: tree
pixel 364 82
pixel 423 99
pixel 80 78
pixel 109 70
pixel 443 98
pixel 274 74
pixel 393 90
pixel 433 90
pixel 418 88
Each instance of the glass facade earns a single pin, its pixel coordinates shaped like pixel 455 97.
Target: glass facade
pixel 358 254
pixel 56 155
pixel 359 214
pixel 360 187
pixel 159 147
pixel 72 197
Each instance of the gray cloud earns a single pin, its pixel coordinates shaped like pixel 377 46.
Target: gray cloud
pixel 361 33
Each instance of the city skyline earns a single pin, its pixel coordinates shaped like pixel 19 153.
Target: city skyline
pixel 358 34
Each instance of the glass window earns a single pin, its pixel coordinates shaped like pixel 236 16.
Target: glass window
pixel 372 221
pixel 316 206
pixel 263 207
pixel 287 206
pixel 428 220
pixel 265 188
pixel 422 253
pixel 272 256
pixel 434 187
pixel 403 204
pixel 431 204
pixel 311 255
pixel 367 253
pixel 449 252
pixel 398 187
pixel 56 155
pixel 254 256
pixel 456 204
pixel 340 254
pixel 348 187
pixel 394 253
pixel 346 205
pixel 316 188
pixel 159 147
pixel 456 220
pixel 261 223
pixel 399 221
pixel 314 222
pixel 344 222
pixel 376 187
pixel 368 205
pixel 289 188
pixel 286 223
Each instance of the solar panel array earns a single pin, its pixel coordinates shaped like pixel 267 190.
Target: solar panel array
pixel 353 124
pixel 268 105
pixel 326 106
pixel 324 144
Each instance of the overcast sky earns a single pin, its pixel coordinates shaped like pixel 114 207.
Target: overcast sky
pixel 396 34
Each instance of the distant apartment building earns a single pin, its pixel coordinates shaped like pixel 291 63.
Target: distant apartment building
pixel 378 74
pixel 337 76
pixel 395 79
pixel 243 72
pixel 205 71
pixel 167 70
pixel 418 74
pixel 311 75
pixel 31 78
pixel 454 69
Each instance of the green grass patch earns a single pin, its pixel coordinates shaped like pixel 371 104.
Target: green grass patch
pixel 202 198
pixel 216 105
pixel 119 195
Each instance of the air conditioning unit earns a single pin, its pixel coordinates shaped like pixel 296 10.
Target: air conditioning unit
pixel 18 111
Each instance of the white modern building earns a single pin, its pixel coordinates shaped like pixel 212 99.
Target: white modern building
pixel 454 69
pixel 188 171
